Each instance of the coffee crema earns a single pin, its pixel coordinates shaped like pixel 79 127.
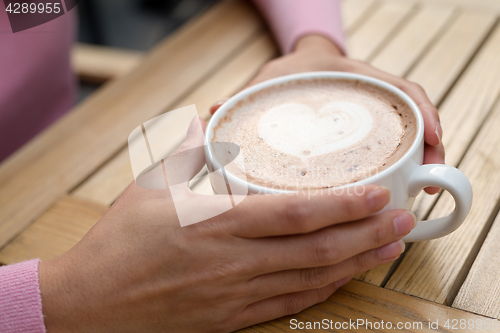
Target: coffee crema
pixel 318 133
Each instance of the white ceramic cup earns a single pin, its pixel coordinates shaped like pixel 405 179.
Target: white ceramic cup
pixel 405 178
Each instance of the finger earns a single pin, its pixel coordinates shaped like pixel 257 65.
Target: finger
pixel 194 135
pixel 433 155
pixel 332 245
pixel 433 131
pixel 276 215
pixel 217 105
pixel 180 165
pixel 188 159
pixel 285 305
pixel 290 281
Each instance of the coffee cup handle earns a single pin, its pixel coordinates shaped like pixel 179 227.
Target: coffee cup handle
pixel 450 179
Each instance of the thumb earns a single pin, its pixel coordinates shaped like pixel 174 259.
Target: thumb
pixel 180 166
pixel 189 158
pixel 194 135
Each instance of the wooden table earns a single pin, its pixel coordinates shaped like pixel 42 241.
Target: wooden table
pixel 62 182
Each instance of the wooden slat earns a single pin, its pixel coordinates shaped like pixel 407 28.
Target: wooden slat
pixel 98 64
pixel 110 181
pixel 378 28
pixel 434 270
pixel 55 232
pixel 467 106
pixel 355 12
pixel 379 275
pixel 480 293
pixel 439 69
pixel 410 43
pixel 468 30
pixel 38 175
pixel 362 301
pixel 106 185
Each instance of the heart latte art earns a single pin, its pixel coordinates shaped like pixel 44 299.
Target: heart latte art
pixel 297 130
pixel 317 133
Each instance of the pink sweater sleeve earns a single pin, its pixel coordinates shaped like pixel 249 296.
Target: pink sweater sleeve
pixel 37 86
pixel 292 19
pixel 20 299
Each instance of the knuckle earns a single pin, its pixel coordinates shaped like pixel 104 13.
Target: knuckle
pixel 362 263
pixel 351 206
pixel 325 250
pixel 409 86
pixel 297 213
pixel 409 83
pixel 381 231
pixel 405 85
pixel 433 110
pixel 314 278
pixel 417 86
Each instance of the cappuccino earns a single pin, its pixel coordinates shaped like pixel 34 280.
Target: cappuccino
pixel 318 133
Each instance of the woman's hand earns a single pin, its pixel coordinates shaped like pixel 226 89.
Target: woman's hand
pixel 138 270
pixel 317 53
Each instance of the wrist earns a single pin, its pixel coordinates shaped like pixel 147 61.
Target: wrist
pixel 55 296
pixel 317 43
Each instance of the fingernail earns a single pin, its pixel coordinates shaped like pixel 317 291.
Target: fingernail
pixel 442 161
pixel 439 132
pixel 214 107
pixel 377 197
pixel 342 282
pixel 404 223
pixel 391 251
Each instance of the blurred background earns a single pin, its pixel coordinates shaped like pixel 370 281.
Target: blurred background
pixel 131 26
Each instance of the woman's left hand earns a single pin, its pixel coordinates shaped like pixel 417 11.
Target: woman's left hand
pixel 317 53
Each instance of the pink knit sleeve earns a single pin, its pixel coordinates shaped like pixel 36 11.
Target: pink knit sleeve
pixel 292 19
pixel 20 299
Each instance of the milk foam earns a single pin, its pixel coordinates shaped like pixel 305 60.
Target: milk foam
pixel 298 130
pixel 319 133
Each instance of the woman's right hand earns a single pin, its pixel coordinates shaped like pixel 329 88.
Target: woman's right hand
pixel 270 256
